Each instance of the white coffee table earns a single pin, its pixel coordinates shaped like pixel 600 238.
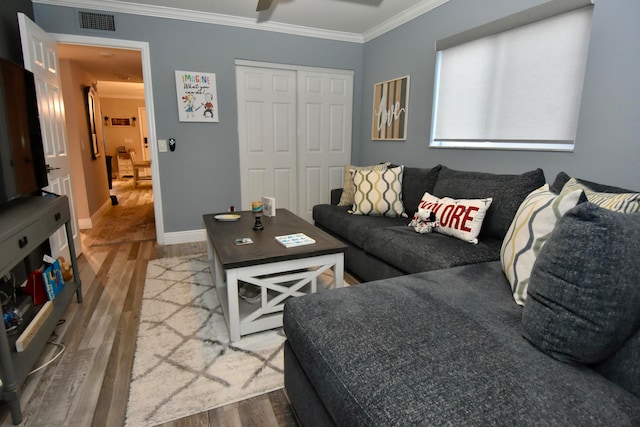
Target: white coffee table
pixel 278 272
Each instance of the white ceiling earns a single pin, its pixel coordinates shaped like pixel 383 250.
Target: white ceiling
pixel 121 65
pixel 348 16
pixel 351 20
pixel 348 20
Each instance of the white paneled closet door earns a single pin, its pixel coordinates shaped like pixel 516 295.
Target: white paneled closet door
pixel 294 128
pixel 325 104
pixel 267 135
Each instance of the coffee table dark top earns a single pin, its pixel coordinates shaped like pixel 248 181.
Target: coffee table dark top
pixel 265 248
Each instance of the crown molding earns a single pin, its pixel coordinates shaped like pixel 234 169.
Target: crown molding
pixel 402 18
pixel 116 6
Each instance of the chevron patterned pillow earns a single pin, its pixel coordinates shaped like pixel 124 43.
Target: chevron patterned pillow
pixel 618 202
pixel 378 193
pixel 348 189
pixel 531 227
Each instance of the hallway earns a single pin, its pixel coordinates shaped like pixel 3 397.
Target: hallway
pixel 131 220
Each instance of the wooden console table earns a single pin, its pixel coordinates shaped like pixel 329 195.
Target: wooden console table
pixel 24 225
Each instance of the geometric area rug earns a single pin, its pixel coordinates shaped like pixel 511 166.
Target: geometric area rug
pixel 184 363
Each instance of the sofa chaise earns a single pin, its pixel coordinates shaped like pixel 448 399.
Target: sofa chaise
pixel 452 347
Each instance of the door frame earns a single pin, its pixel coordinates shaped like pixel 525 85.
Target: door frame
pixel 145 57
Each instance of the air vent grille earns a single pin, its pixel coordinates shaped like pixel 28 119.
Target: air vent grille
pixel 97 21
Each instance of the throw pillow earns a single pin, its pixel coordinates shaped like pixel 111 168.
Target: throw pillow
pixel 348 189
pixel 562 178
pixel 459 218
pixel 531 227
pixel 584 292
pixel 415 181
pixel 619 202
pixel 378 193
pixel 506 191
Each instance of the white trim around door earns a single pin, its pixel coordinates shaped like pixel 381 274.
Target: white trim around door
pixel 143 47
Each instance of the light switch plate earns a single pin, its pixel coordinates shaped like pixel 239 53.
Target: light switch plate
pixel 162 145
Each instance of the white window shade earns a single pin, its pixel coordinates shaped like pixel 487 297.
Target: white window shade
pixel 517 89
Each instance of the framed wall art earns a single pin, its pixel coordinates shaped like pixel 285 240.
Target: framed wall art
pixel 390 109
pixel 120 121
pixel 197 96
pixel 90 99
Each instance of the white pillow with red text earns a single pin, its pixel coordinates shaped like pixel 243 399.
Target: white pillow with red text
pixel 459 218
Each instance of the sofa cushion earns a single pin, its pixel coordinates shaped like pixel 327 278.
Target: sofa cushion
pixel 562 178
pixel 378 193
pixel 352 228
pixel 413 252
pixel 348 189
pixel 440 348
pixel 507 192
pixel 531 227
pixel 415 181
pixel 623 368
pixel 459 218
pixel 619 202
pixel 583 303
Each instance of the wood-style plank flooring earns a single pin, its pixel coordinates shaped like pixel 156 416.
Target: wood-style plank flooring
pixel 88 384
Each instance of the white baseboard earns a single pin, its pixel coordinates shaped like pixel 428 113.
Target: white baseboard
pixel 190 236
pixel 87 223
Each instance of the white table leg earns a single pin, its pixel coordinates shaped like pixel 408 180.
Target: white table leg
pixel 338 271
pixel 234 305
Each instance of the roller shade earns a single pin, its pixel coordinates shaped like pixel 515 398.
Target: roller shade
pixel 517 86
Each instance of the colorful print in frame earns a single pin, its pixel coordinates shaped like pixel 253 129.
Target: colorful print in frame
pixel 390 109
pixel 197 96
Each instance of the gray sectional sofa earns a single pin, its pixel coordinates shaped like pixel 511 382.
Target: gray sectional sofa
pixel 451 347
pixel 384 247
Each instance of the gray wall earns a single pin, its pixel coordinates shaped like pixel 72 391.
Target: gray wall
pixel 10 47
pixel 202 175
pixel 608 139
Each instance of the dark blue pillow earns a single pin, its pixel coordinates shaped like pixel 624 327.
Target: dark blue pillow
pixel 584 293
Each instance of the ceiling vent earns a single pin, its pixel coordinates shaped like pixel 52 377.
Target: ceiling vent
pixel 97 21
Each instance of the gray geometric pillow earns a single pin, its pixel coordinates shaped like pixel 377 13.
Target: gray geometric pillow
pixel 584 292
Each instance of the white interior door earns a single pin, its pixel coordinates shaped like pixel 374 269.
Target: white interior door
pixel 267 135
pixel 40 57
pixel 325 105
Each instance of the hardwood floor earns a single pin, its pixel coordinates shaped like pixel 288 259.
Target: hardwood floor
pixel 88 384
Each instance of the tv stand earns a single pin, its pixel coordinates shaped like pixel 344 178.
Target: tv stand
pixel 24 225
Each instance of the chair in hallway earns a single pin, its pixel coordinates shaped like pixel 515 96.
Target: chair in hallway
pixel 137 166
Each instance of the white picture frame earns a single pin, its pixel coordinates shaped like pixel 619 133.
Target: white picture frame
pixel 197 96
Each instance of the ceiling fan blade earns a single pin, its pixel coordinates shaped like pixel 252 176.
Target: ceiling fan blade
pixel 263 5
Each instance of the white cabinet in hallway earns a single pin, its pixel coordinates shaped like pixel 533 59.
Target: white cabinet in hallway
pixel 125 167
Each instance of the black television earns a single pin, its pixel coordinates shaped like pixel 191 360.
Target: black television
pixel 22 160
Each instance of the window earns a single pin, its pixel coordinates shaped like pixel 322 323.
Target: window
pixel 515 83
